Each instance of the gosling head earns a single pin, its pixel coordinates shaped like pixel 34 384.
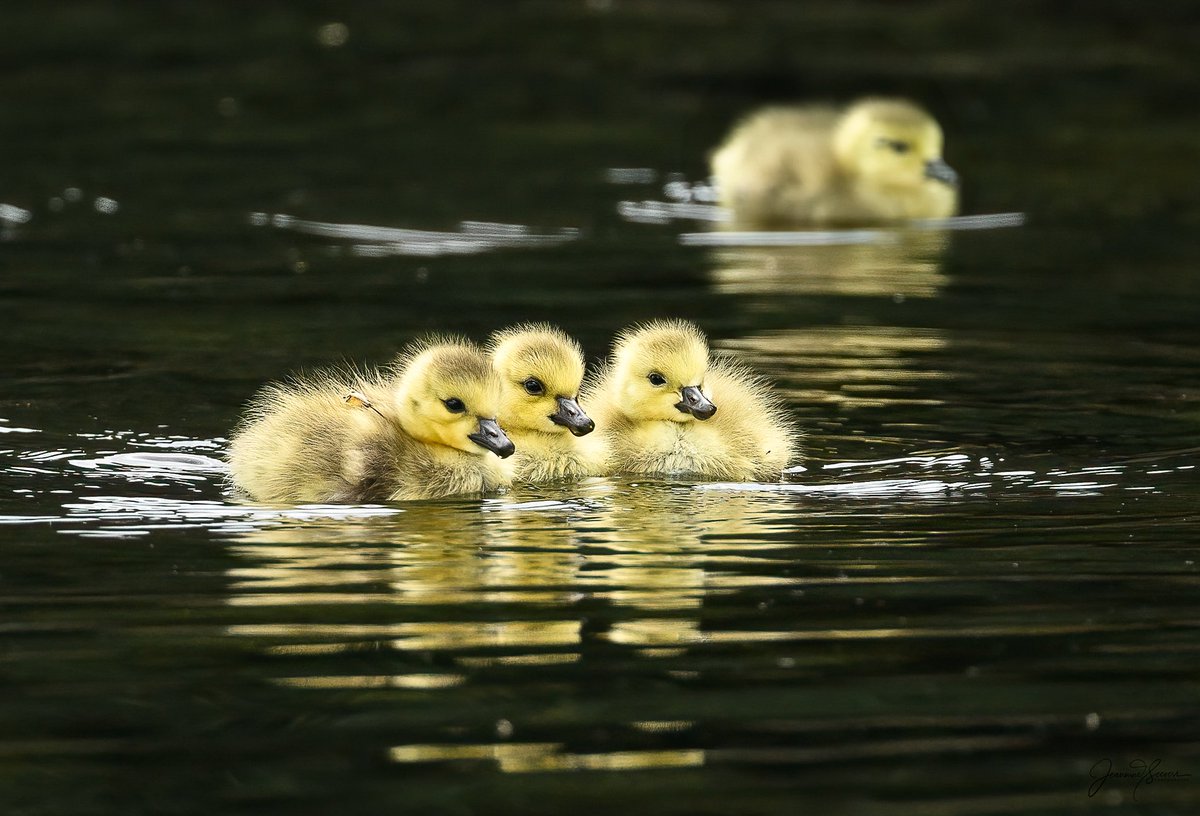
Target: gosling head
pixel 447 394
pixel 894 144
pixel 540 369
pixel 660 369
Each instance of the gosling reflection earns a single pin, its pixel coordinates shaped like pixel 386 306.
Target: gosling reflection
pixel 519 556
pixel 432 554
pixel 662 543
pixel 647 548
pixel 899 264
pixel 852 366
pixel 540 757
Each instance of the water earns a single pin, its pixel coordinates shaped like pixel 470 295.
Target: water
pixel 979 586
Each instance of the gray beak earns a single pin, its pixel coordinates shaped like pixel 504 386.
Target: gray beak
pixel 695 403
pixel 572 417
pixel 492 437
pixel 938 170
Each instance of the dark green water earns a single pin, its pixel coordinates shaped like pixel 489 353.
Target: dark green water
pixel 983 585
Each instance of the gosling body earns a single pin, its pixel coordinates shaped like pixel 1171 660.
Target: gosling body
pixel 422 428
pixel 877 160
pixel 665 406
pixel 541 370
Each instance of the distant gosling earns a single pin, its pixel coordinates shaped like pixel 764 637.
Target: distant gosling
pixel 877 160
pixel 422 428
pixel 541 369
pixel 664 406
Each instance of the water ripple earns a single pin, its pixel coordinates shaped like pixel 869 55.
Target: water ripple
pixel 472 237
pixel 141 466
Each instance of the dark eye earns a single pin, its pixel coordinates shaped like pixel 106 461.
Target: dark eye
pixel 657 379
pixel 534 386
pixel 896 145
pixel 454 405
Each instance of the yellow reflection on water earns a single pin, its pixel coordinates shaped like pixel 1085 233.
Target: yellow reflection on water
pixel 661 546
pixel 427 635
pixel 537 659
pixel 521 557
pixel 473 635
pixel 852 366
pixel 656 632
pixel 640 631
pixel 908 265
pixel 656 550
pixel 547 756
pixel 662 726
pixel 429 555
pixel 404 681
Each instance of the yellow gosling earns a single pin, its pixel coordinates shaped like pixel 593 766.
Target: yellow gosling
pixel 877 160
pixel 664 406
pixel 541 369
pixel 422 428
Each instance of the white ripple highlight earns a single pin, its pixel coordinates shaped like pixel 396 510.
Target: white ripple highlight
pixel 874 487
pixel 828 237
pixel 142 513
pixel 367 240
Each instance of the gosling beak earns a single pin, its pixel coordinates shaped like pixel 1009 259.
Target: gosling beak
pixel 572 417
pixel 695 403
pixel 492 437
pixel 938 170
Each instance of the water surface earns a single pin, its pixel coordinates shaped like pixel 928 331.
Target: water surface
pixel 979 584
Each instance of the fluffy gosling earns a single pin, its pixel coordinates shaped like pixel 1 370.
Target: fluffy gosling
pixel 423 428
pixel 665 406
pixel 877 160
pixel 541 370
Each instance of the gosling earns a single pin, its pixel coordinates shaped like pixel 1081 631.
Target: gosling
pixel 665 406
pixel 422 428
pixel 878 160
pixel 541 370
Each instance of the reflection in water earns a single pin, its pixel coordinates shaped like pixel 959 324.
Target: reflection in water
pixel 451 598
pixel 664 212
pixel 123 516
pixel 6 428
pixel 441 633
pixel 630 545
pixel 538 757
pixel 660 545
pixel 398 681
pixel 522 584
pixel 145 468
pixel 852 366
pixel 371 241
pixel 10 214
pixel 907 265
pixel 733 235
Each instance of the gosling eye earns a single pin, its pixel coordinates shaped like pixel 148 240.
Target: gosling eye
pixel 656 378
pixel 896 145
pixel 534 387
pixel 454 405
